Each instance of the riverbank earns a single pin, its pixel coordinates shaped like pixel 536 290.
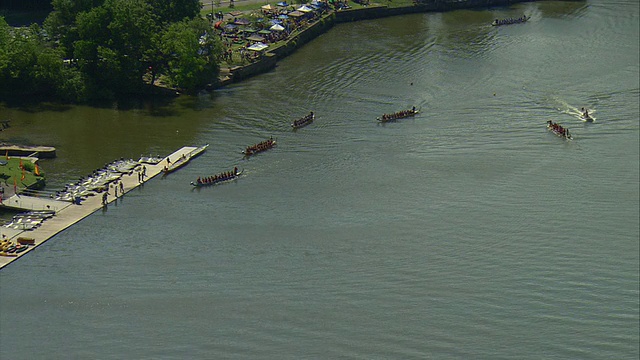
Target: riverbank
pixel 318 26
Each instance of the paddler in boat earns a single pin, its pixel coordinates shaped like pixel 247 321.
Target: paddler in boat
pixel 235 170
pixel 413 109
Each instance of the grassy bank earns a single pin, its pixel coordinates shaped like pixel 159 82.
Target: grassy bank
pixel 21 173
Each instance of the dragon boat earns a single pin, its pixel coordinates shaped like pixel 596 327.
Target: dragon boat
pixel 260 147
pixel 303 121
pixel 398 115
pixel 559 130
pixel 510 21
pixel 217 179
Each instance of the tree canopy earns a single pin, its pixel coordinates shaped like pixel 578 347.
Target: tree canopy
pixel 104 48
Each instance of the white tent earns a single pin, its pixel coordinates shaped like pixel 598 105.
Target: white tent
pixel 258 46
pixel 266 7
pixel 277 27
pixel 304 8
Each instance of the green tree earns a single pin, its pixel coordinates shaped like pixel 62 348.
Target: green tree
pixel 29 66
pixel 132 28
pixel 175 10
pixel 113 44
pixel 102 48
pixel 192 54
pixel 19 60
pixel 91 33
pixel 60 25
pixel 5 37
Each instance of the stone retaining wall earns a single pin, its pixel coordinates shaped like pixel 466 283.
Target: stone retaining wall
pixel 326 22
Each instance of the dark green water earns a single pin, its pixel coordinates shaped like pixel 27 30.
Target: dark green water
pixel 468 231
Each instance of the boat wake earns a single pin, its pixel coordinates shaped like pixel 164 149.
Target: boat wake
pixel 578 113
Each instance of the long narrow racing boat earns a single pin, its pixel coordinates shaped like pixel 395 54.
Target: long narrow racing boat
pixel 217 179
pixel 398 115
pixel 260 147
pixel 510 21
pixel 303 121
pixel 184 159
pixel 559 130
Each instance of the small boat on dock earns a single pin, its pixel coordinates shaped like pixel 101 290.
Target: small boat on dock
pixel 29 220
pixel 151 160
pixel 20 248
pixel 183 160
pixel 398 115
pixel 217 179
pixel 303 121
pixel 260 147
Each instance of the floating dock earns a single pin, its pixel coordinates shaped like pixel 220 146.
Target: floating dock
pixel 68 213
pixel 41 152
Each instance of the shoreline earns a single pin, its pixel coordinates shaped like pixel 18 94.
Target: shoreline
pixel 269 60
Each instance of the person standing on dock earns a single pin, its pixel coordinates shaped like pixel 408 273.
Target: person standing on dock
pixel 121 187
pixel 104 198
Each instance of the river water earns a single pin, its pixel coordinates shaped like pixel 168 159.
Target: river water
pixel 466 232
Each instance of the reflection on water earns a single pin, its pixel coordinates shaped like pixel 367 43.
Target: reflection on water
pixel 456 233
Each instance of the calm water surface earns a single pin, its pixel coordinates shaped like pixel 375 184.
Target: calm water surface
pixel 466 232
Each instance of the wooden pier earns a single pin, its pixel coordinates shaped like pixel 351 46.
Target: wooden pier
pixel 68 213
